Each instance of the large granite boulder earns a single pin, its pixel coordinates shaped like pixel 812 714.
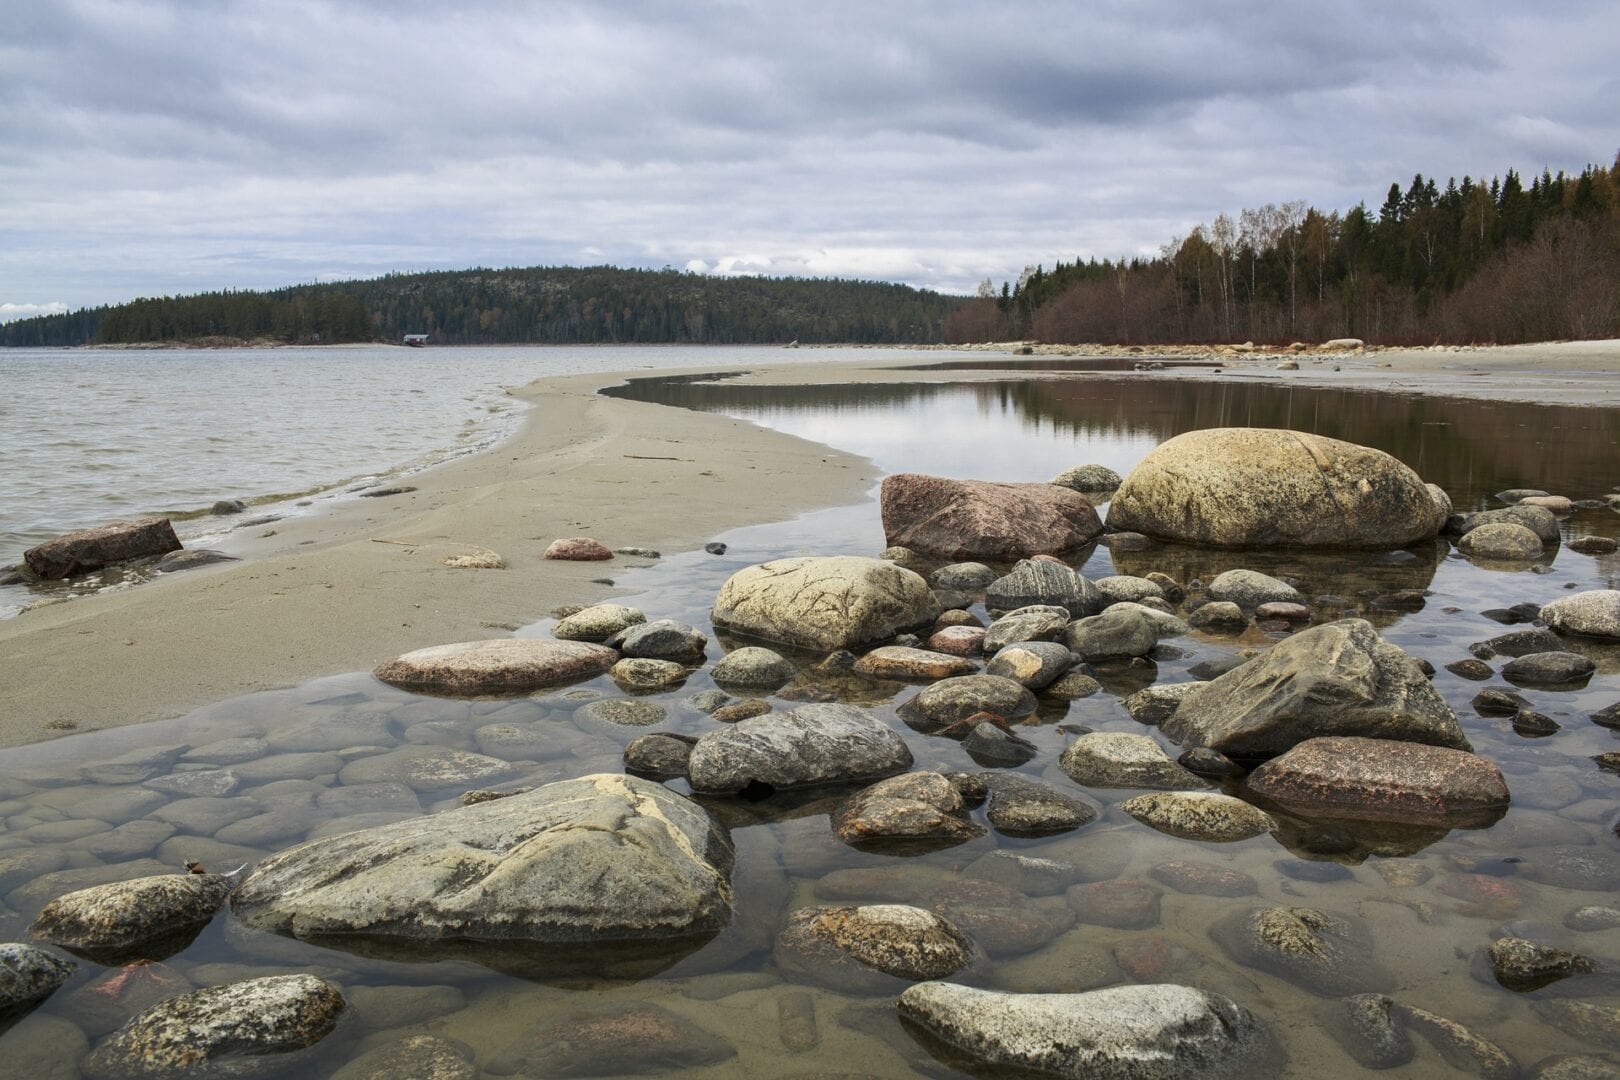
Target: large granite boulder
pixel 604 858
pixel 811 745
pixel 974 519
pixel 148 918
pixel 1262 487
pixel 1594 614
pixel 838 602
pixel 1139 1032
pixel 498 666
pixel 1339 678
pixel 244 1029
pixel 91 549
pixel 1383 780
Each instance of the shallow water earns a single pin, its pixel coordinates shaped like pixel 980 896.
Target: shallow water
pixel 1432 902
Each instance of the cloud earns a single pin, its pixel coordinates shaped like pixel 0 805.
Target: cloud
pixel 151 146
pixel 9 312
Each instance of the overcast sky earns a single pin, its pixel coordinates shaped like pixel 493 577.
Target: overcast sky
pixel 152 147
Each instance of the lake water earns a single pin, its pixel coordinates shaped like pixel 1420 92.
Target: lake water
pixel 1430 900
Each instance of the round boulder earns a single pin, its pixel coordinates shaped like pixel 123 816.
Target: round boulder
pixel 753 668
pixel 1261 487
pixel 973 519
pixel 839 602
pixel 1503 540
pixel 951 700
pixel 1088 478
pixel 1594 614
pixel 1248 589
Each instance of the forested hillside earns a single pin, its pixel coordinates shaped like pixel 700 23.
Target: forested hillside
pixel 549 305
pixel 1473 261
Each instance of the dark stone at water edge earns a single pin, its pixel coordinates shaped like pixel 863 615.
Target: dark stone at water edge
pixel 91 549
pixel 227 506
pixel 1525 965
pixel 1553 670
pixel 243 1029
pixel 715 547
pixel 973 519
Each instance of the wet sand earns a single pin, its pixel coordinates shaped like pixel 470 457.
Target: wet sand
pixel 347 589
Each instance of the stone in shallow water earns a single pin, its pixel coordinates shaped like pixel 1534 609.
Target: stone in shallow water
pixel 951 700
pixel 1199 815
pixel 1124 760
pixel 29 975
pixel 1550 670
pixel 912 665
pixel 614 1040
pixel 912 808
pixel 415 1057
pixel 426 768
pixel 1020 806
pixel 1158 1030
pixel 1591 1021
pixel 243 1029
pixel 1372 1032
pixel 640 673
pixel 811 745
pixel 1250 589
pixel 869 947
pixel 1038 622
pixel 1460 1047
pixel 661 756
pixel 1204 879
pixel 665 639
pixel 597 623
pixel 959 640
pixel 603 858
pixel 1524 965
pixel 145 919
pixel 1124 903
pixel 1501 540
pixel 500 666
pixel 1033 664
pixel 1043 583
pixel 967 577
pixel 1121 631
pixel 823 604
pixel 622 712
pixel 753 668
pixel 973 519
pixel 1322 953
pixel 91 549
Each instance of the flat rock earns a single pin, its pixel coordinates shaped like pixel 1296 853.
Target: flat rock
pixel 427 768
pixel 971 519
pixel 1383 780
pixel 1461 1048
pixel 243 1029
pixel 912 665
pixel 145 919
pixel 1203 879
pixel 610 1040
pixel 604 858
pixel 1258 487
pixel 1122 760
pixel 1587 1020
pixel 1157 703
pixel 81 552
pixel 1199 815
pixel 1043 583
pixel 845 947
pixel 417 1057
pixel 839 602
pixel 1594 614
pixel 959 640
pixel 500 666
pixel 1322 953
pixel 952 700
pixel 597 623
pixel 1122 1032
pixel 1339 678
pixel 921 807
pixel 641 673
pixel 966 577
pixel 1122 903
pixel 1125 589
pixel 811 745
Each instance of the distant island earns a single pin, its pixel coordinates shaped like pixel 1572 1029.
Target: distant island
pixel 534 305
pixel 1473 262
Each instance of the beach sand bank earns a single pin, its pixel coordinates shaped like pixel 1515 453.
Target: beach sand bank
pixel 356 585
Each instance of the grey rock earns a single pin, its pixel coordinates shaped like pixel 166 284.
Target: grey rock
pixel 1590 917
pixel 1200 815
pixel 610 1040
pixel 134 766
pixel 1028 874
pixel 824 603
pixel 228 751
pixel 1124 589
pixel 1088 478
pixel 145 919
pixel 1526 965
pixel 1157 703
pixel 621 712
pixel 1019 806
pixel 1572 866
pixel 401 1006
pixel 662 756
pixel 952 700
pixel 665 639
pixel 417 1057
pixel 967 577
pixel 1032 664
pixel 1461 1048
pixel 1594 614
pixel 1045 583
pixel 1157 1031
pixel 1248 589
pixel 1076 684
pixel 1035 623
pixel 871 946
pixel 1117 632
pixel 913 808
pixel 1538 519
pixel 426 769
pixel 603 858
pixel 811 745
pixel 1596 1023
pixel 1502 540
pixel 1121 760
pixel 643 673
pixel 753 668
pixel 28 976
pixel 130 840
pixel 191 559
pixel 597 623
pixel 244 1029
pixel 1339 678
pixel 997 748
pixel 197 782
pixel 1218 617
pixel 1549 669
pixel 500 666
pixel 1372 1033
pixel 1319 952
pixel 1578 1067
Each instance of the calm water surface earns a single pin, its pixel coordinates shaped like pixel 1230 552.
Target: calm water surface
pixel 1431 900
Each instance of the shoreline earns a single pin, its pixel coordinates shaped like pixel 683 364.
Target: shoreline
pixel 364 580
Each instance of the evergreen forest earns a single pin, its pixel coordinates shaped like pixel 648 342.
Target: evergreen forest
pixel 1475 261
pixel 539 305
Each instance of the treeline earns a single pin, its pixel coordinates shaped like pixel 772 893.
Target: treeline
pixel 1475 261
pixel 542 305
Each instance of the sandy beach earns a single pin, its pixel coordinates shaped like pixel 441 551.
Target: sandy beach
pixel 349 588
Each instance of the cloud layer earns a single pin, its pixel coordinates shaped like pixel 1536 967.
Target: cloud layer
pixel 155 146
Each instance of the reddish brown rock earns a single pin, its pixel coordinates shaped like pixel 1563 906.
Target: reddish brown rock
pixel 1383 780
pixel 958 640
pixel 912 665
pixel 919 807
pixel 578 549
pixel 1144 959
pixel 501 666
pixel 91 549
pixel 973 519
